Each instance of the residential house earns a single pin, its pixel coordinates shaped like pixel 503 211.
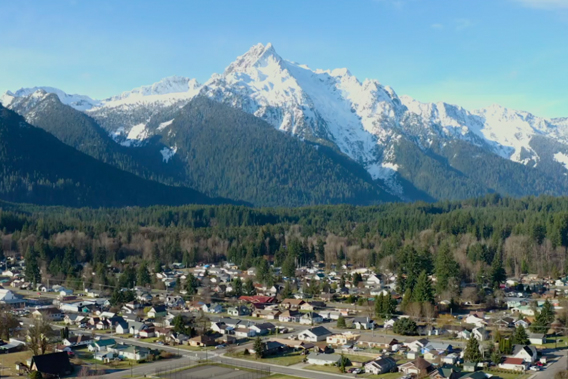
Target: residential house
pixel 289 316
pixel 315 334
pixel 365 323
pixel 292 304
pixel 49 314
pixel 380 366
pixel 52 365
pixel 158 311
pixel 273 348
pixel 311 318
pixel 474 319
pixel 513 364
pixel 481 334
pixel 388 324
pixel 132 352
pixel 417 345
pixel 527 353
pixel 244 333
pixel 201 341
pixel 342 339
pixel 212 308
pixel 74 319
pixel 135 327
pixel 537 338
pixel 79 340
pixel 240 310
pixel 450 359
pixel 523 322
pixel 122 327
pixel 377 341
pixel 312 306
pixel 324 359
pixel 419 367
pixel 504 323
pixel 440 347
pixel 147 333
pixel 263 328
pixel 102 344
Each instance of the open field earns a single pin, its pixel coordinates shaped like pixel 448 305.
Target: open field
pixel 281 360
pixel 8 362
pixel 212 371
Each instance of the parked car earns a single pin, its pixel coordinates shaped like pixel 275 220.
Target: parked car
pixel 534 368
pixel 222 346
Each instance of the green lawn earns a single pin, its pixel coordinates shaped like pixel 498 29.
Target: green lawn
pixel 193 348
pixel 281 360
pixel 358 357
pixel 332 369
pixel 282 376
pixel 551 342
pixel 390 375
pixel 508 375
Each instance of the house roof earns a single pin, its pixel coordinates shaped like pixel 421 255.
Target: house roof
pixel 513 361
pixel 420 363
pixel 529 349
pixel 319 331
pixel 293 301
pixel 106 342
pixel 54 363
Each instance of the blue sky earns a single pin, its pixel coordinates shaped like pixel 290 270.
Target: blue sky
pixel 469 52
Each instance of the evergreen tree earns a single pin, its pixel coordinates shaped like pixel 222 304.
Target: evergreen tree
pixel 259 348
pixel 32 272
pixel 497 274
pixel 543 319
pixel 423 292
pixel 389 306
pixel 445 268
pixel 406 299
pixel 520 336
pixel 341 322
pixel 143 277
pixel 472 353
pixel 379 306
pixel 287 291
pixel 238 287
pixel 191 284
pixel 289 267
pixel 249 287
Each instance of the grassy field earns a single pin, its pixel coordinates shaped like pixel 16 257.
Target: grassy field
pixel 390 375
pixel 554 341
pixel 282 376
pixel 281 360
pixel 9 362
pixel 509 375
pixel 84 356
pixel 332 369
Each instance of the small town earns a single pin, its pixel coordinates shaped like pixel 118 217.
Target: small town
pixel 341 321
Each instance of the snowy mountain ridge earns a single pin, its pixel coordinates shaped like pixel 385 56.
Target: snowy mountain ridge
pixel 365 120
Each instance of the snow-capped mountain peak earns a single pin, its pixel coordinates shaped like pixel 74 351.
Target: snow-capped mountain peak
pixel 79 102
pixel 174 85
pixel 257 55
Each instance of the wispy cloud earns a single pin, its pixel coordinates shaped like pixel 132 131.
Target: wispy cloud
pixel 463 23
pixel 544 4
pixel 437 26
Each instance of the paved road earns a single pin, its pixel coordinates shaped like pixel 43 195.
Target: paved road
pixel 559 365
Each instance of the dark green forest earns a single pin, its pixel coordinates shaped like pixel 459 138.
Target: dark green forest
pixel 478 241
pixel 38 168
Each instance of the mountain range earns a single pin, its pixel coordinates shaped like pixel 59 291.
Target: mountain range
pixel 273 132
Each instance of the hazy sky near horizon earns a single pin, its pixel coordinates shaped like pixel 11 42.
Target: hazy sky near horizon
pixel 470 53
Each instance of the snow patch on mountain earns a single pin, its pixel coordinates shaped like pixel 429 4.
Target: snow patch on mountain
pixel 166 91
pixel 168 153
pixel 562 159
pixel 164 125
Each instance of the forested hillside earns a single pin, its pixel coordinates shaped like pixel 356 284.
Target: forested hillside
pixel 477 240
pixel 38 168
pixel 230 153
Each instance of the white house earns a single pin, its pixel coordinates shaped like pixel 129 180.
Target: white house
pixel 513 364
pixel 311 318
pixel 537 338
pixel 527 353
pixel 474 320
pixel 7 295
pixel 417 345
pixel 315 334
pixel 380 366
pixel 363 323
pixel 323 359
